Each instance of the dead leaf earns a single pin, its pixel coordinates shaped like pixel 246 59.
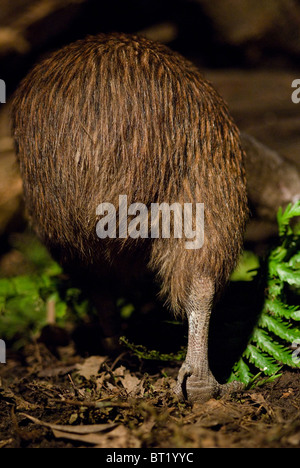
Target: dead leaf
pixel 294 439
pixel 101 435
pixel 90 366
pixel 112 388
pixel 94 439
pixel 54 371
pixel 119 371
pixel 78 429
pixel 120 437
pixel 131 383
pixel 161 384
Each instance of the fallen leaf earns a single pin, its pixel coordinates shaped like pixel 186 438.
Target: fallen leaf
pixel 102 435
pixel 294 439
pixel 112 388
pixel 78 429
pixel 120 437
pixel 90 366
pixel 119 371
pixel 54 371
pixel 131 383
pixel 92 438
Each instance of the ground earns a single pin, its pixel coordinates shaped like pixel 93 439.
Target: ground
pixel 126 402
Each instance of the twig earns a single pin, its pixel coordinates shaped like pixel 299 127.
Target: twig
pixel 77 391
pixel 94 404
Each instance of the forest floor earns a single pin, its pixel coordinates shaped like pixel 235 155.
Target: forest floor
pixel 71 401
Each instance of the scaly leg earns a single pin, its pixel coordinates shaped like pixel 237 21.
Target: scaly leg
pixel 195 380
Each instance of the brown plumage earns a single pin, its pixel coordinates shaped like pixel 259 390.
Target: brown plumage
pixel 117 114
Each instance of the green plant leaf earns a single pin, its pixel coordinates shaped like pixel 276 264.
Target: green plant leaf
pixel 294 261
pixel 288 275
pixel 241 372
pixel 261 360
pixel 273 348
pixel 279 328
pixel 247 267
pixel 6 287
pixel 280 309
pixel 284 217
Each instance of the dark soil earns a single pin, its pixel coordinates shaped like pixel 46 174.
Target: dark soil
pixel 133 400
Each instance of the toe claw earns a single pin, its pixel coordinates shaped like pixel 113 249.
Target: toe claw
pixel 184 372
pixel 194 388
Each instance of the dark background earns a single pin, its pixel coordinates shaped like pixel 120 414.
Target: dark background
pixel 215 34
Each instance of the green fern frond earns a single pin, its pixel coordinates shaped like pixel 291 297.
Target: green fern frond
pixel 278 318
pixel 241 369
pixel 261 360
pixel 280 309
pixel 268 345
pixel 284 217
pixel 280 328
pixel 289 275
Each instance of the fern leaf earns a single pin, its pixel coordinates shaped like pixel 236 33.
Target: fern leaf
pixel 295 315
pixel 288 275
pixel 284 217
pixel 277 318
pixel 273 348
pixel 276 256
pixel 294 261
pixel 279 328
pixel 6 287
pixel 241 372
pixel 262 361
pixel 275 287
pixel 279 309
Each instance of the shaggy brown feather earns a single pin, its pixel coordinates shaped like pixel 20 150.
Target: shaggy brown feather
pixel 118 114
